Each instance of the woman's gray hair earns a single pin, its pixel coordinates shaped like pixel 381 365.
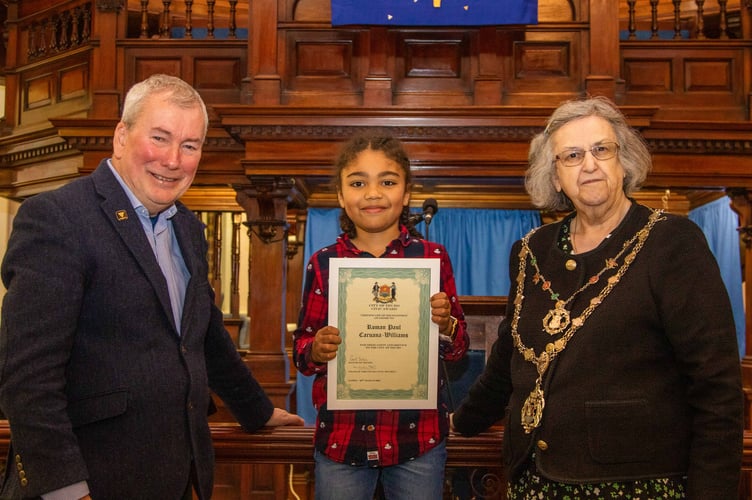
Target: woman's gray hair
pixel 179 92
pixel 633 154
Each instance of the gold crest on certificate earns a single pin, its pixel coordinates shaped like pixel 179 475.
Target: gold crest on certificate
pixel 389 354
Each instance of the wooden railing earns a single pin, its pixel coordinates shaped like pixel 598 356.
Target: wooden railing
pixel 294 445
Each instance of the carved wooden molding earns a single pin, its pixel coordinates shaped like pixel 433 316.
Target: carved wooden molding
pixel 110 5
pixel 701 146
pixel 341 133
pixel 34 154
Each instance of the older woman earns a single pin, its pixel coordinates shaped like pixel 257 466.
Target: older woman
pixel 617 362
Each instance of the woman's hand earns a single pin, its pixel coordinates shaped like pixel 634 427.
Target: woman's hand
pixel 325 344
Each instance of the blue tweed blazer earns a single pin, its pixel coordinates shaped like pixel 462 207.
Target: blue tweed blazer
pixel 95 380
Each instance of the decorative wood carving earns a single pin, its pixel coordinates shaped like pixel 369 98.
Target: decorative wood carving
pixel 110 5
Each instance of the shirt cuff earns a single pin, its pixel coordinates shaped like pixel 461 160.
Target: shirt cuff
pixel 72 492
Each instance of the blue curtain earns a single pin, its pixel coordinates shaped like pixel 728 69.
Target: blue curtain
pixel 719 222
pixel 478 242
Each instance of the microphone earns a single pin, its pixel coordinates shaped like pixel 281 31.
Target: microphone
pixel 430 207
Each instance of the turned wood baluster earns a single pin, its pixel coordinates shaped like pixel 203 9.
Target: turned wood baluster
pixel 237 220
pixel 632 25
pixel 677 19
pixel 700 33
pixel 216 227
pixel 36 39
pixel 63 40
pixel 86 25
pixel 723 19
pixel 233 26
pixel 210 19
pixel 188 19
pixel 52 26
pixel 42 46
pixel 164 31
pixel 144 19
pixel 32 36
pixel 75 19
pixel 654 19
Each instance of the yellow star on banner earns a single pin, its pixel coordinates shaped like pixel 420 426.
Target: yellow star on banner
pixel 437 3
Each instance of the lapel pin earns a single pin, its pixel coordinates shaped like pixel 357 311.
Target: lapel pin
pixel 121 215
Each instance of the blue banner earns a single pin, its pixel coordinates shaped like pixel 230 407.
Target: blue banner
pixel 434 12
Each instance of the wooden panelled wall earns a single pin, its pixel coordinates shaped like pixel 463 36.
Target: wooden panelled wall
pixel 285 88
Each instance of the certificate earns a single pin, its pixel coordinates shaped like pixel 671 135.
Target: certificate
pixel 389 355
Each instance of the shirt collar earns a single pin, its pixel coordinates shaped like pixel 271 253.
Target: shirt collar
pixel 135 202
pixel 403 239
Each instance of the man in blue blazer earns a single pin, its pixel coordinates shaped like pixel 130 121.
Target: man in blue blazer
pixel 110 340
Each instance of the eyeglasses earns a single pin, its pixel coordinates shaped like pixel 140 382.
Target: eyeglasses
pixel 575 156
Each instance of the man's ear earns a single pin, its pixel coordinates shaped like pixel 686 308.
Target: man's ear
pixel 118 140
pixel 120 133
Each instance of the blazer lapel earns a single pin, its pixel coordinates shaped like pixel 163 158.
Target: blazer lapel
pixel 117 208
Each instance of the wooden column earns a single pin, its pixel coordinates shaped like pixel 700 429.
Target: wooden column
pixel 296 264
pixel 745 14
pixel 377 91
pixel 266 83
pixel 604 45
pixel 105 94
pixel 12 79
pixel 265 203
pixel 488 84
pixel 741 203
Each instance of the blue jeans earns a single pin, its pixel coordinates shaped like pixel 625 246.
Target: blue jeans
pixel 419 479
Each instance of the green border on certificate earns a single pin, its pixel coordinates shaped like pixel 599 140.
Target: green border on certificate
pixel 389 355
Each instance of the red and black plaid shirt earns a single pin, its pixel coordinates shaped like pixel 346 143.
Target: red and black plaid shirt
pixel 373 437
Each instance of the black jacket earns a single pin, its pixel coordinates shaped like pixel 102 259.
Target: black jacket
pixel 648 387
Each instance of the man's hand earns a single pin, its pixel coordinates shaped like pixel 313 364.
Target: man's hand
pixel 283 417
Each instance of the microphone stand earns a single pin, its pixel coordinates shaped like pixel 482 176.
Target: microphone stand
pixel 443 362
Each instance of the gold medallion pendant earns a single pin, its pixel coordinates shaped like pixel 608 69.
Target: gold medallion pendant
pixel 557 319
pixel 532 410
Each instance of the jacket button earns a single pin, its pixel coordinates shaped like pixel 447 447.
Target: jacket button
pixel 542 445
